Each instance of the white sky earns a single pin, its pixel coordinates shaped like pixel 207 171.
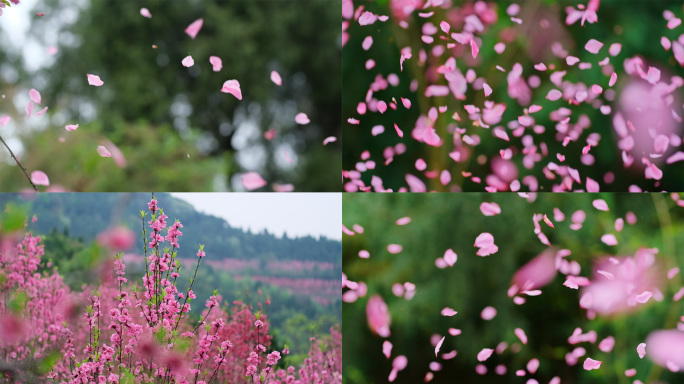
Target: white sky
pixel 298 214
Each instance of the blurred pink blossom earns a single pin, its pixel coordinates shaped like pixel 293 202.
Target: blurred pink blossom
pixel 537 272
pixel 117 238
pixel 378 316
pixel 666 348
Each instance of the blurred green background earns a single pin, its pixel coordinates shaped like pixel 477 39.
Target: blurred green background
pixel 176 129
pixel 443 221
pixel 637 24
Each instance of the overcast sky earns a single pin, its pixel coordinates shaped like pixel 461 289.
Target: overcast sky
pixel 298 214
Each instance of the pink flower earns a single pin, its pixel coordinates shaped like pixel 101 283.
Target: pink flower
pixel 117 238
pixel 666 348
pixel 378 316
pixel 402 9
pixel 619 284
pixel 537 272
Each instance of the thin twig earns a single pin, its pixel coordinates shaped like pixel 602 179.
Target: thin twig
pixel 19 164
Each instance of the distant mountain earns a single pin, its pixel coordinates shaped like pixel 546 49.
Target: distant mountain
pixel 85 215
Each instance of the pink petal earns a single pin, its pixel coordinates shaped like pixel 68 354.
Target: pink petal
pixel 488 313
pixel 387 348
pixel 592 185
pixel 394 248
pixel 415 184
pixel 613 79
pixel 329 139
pixel 34 95
pixel 193 29
pixel 641 350
pixel 39 178
pixel 102 151
pixel 145 12
pixel 606 345
pixel 439 345
pixel 678 51
pixel 484 354
pixel 232 87
pixel 609 239
pixel 521 335
pixel 302 118
pixel 275 78
pixel 188 61
pixel 474 49
pixel 252 181
pixel 593 46
pixel 487 89
pixel 490 209
pixel 590 364
pixel 448 312
pixel 71 127
pixel 42 111
pixel 666 348
pixel 216 63
pixel 4 120
pixel 29 109
pixel 94 80
pixel 484 239
pixel 450 257
pixel 403 221
pixel 600 204
pixel 283 187
pixel 554 95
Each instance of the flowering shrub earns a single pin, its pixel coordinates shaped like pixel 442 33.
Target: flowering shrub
pixel 570 288
pixel 121 333
pixel 453 95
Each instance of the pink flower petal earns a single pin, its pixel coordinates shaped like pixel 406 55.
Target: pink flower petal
pixel 39 178
pixel 488 313
pixel 387 348
pixel 29 109
pixel 275 78
pixel 474 49
pixel 487 89
pixel 188 61
pixel 554 95
pixel 641 350
pixel 490 209
pixel 609 239
pixel 394 248
pixel 302 118
pixel 94 80
pixel 521 335
pixel 590 364
pixel 666 348
pixel 378 316
pixel 71 127
pixel 232 87
pixel 448 312
pixel 484 354
pixel 593 46
pixel 252 181
pixel 329 139
pixel 216 63
pixel 403 221
pixel 34 96
pixel 42 111
pixel 4 120
pixel 145 13
pixel 600 204
pixel 102 151
pixel 193 29
pixel 450 257
pixel 439 345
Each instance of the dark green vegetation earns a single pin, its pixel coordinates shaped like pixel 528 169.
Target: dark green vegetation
pixel 443 221
pixel 251 267
pixel 172 119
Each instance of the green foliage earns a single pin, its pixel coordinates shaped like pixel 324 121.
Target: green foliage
pixel 13 218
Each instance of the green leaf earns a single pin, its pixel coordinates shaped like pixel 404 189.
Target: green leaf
pixel 18 303
pixel 7 3
pixel 13 217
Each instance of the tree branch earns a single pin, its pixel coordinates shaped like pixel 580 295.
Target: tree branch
pixel 19 164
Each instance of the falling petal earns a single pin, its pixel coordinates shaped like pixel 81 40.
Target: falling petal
pixel 72 127
pixel 39 178
pixel 42 111
pixel 29 109
pixel 275 78
pixel 590 364
pixel 216 63
pixel 193 29
pixel 188 61
pixel 484 354
pixel 232 87
pixel 34 96
pixel 448 312
pixel 330 139
pixel 102 151
pixel 252 181
pixel 439 345
pixel 145 13
pixel 302 118
pixel 490 209
pixel 593 46
pixel 94 80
